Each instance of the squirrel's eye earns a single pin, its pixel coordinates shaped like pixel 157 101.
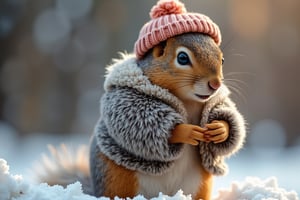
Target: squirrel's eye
pixel 223 60
pixel 183 58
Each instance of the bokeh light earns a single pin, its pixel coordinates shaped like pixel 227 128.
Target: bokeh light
pixel 267 136
pixel 51 30
pixel 6 25
pixel 250 19
pixel 74 9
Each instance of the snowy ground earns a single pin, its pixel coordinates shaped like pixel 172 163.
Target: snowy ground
pixel 14 187
pixel 284 164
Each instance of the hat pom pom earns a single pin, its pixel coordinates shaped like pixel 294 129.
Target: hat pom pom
pixel 167 7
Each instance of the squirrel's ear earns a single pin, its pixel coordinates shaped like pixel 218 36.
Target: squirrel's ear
pixel 159 50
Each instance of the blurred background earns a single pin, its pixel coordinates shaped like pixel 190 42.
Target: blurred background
pixel 54 53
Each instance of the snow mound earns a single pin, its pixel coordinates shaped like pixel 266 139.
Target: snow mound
pixel 256 189
pixel 13 187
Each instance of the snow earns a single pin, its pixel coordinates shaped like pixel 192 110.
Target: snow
pixel 277 169
pixel 14 187
pixel 256 189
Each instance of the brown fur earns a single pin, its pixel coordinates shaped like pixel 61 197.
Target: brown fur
pixel 119 181
pixel 205 188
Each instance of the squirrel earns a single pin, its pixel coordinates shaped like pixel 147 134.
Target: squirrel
pixel 166 120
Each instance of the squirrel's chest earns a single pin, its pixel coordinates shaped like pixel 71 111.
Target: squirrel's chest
pixel 194 112
pixel 185 175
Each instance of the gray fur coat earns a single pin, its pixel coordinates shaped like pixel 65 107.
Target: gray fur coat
pixel 137 118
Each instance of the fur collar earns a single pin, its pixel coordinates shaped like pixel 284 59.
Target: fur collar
pixel 124 72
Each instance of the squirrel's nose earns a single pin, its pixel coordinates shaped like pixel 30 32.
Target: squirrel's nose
pixel 214 84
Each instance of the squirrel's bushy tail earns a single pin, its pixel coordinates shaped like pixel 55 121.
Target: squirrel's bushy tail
pixel 64 166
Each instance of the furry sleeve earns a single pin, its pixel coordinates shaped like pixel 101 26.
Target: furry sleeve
pixel 228 112
pixel 140 123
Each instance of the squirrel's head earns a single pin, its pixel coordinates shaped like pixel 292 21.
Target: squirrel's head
pixel 179 51
pixel 188 65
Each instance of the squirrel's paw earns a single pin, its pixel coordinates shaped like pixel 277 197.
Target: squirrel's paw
pixel 188 134
pixel 218 131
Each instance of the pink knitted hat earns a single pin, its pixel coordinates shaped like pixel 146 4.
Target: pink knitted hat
pixel 170 18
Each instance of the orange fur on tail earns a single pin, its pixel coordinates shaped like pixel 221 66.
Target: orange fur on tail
pixel 64 166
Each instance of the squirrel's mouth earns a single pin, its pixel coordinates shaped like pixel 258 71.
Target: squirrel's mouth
pixel 204 97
